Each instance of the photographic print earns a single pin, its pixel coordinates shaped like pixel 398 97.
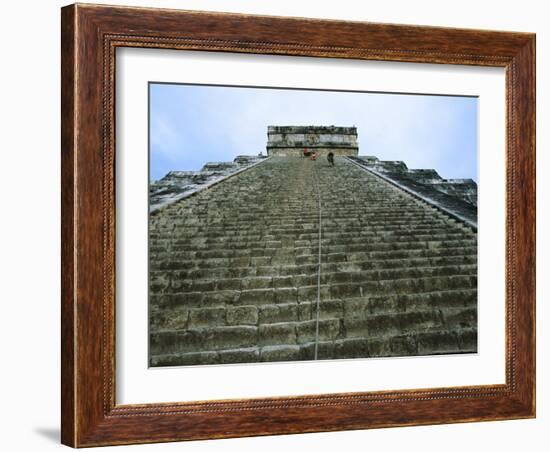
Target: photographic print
pixel 307 207
pixel 300 225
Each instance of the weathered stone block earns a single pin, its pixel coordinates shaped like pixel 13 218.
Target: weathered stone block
pixel 351 348
pixel 260 261
pixel 220 298
pixel 229 284
pixel 203 286
pixel 356 327
pixel 379 347
pixel 384 304
pixel 303 260
pixel 305 310
pixel 328 330
pixel 383 324
pixel 418 321
pixel 277 333
pixel 190 341
pixel 230 337
pixel 170 319
pixel 345 291
pixel 190 299
pixel 325 350
pixel 401 286
pixel 403 346
pixel 286 295
pixel 206 317
pixel 437 342
pixel 283 282
pixel 263 282
pixel 278 313
pixel 356 308
pixel 283 259
pixel 329 309
pixel 159 282
pixel 257 297
pixel 304 280
pixel 460 318
pixel 310 293
pixel 337 277
pixel 163 342
pixel 242 315
pixel 243 355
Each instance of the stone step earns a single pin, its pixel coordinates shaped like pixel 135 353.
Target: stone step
pixel 338 219
pixel 373 229
pixel 227 212
pixel 228 337
pixel 299 213
pixel 453 301
pixel 208 282
pixel 250 233
pixel 296 279
pixel 357 226
pixel 346 250
pixel 395 324
pixel 364 307
pixel 163 277
pixel 266 296
pixel 328 238
pixel 356 258
pixel 332 239
pixel 431 343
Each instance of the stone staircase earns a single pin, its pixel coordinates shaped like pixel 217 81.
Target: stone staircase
pixel 234 270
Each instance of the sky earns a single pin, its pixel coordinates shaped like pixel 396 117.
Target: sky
pixel 190 125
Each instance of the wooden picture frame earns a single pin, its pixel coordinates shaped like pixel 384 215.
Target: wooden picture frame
pixel 90 36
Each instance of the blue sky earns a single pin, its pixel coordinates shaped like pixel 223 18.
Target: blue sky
pixel 191 125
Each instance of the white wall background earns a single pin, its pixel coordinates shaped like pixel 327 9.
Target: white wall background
pixel 29 238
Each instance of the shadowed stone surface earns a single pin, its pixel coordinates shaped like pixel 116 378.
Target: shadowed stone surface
pixel 457 195
pixel 178 185
pixel 233 270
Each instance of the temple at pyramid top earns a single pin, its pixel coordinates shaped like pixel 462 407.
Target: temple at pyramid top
pixel 292 140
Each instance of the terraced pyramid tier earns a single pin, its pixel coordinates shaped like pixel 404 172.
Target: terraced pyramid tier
pixel 234 270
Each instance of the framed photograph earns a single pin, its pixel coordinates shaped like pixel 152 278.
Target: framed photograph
pixel 283 225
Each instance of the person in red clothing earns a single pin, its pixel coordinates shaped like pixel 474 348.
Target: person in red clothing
pixel 307 153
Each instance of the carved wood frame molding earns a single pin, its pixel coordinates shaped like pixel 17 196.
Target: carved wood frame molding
pixel 90 36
